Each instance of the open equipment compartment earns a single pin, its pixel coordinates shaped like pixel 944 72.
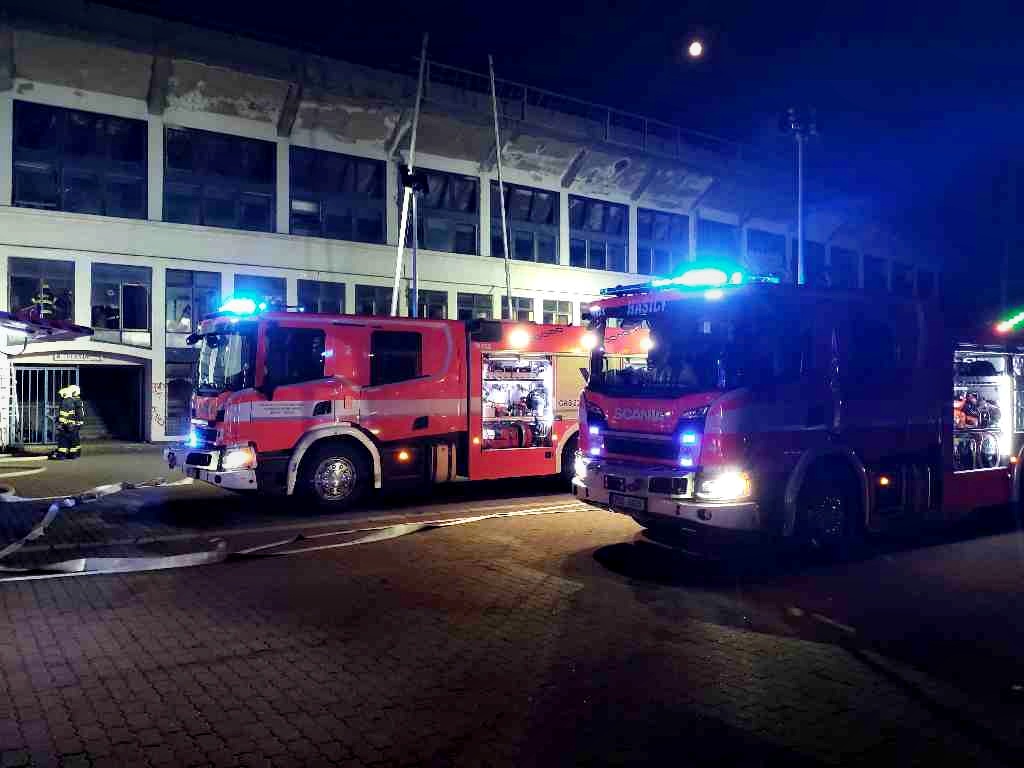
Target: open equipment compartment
pixel 517 401
pixel 982 410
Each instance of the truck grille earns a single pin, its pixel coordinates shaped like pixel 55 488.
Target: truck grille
pixel 640 447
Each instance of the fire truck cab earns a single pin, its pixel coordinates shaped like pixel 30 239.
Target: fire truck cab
pixel 777 410
pixel 332 405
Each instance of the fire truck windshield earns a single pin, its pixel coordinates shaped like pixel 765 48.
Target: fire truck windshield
pixel 692 346
pixel 226 360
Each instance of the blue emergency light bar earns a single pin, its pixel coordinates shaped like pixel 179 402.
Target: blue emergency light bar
pixel 705 278
pixel 239 305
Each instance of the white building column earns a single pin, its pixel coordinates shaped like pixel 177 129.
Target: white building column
pixel 6 151
pixel 563 227
pixel 632 245
pixel 283 201
pixel 291 290
pixel 83 289
pixel 693 217
pixel 393 202
pixel 155 169
pixel 227 283
pixel 158 373
pixel 485 216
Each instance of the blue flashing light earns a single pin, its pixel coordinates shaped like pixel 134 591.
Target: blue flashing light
pixel 595 451
pixel 714 294
pixel 686 461
pixel 594 429
pixel 702 277
pixel 736 278
pixel 193 439
pixel 689 438
pixel 241 306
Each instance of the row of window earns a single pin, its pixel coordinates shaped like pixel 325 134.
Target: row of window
pixel 71 160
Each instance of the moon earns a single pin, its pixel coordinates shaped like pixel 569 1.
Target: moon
pixel 696 49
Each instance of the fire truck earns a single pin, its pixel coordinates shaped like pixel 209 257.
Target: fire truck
pixel 330 406
pixel 812 416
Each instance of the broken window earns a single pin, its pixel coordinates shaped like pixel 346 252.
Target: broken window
pixel 599 233
pixel 219 180
pixel 663 242
pixel 70 160
pixel 532 218
pixel 121 304
pixel 448 213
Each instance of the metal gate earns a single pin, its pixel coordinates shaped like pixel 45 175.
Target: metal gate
pixel 37 388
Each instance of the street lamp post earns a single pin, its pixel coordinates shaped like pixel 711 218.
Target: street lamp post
pixel 801 123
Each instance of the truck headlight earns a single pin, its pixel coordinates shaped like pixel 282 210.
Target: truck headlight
pixel 729 485
pixel 238 457
pixel 580 466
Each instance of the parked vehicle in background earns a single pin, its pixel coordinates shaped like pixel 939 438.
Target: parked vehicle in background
pixel 811 415
pixel 331 406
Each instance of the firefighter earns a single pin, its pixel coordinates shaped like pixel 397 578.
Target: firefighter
pixel 44 302
pixel 70 418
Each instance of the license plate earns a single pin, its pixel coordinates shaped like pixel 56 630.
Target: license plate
pixel 632 503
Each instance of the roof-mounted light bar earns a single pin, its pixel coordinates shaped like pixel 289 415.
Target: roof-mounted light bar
pixel 705 278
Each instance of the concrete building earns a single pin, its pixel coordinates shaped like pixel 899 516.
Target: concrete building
pixel 148 169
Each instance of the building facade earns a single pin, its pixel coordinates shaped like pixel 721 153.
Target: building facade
pixel 149 169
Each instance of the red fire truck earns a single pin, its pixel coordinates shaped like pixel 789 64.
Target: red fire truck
pixel 332 405
pixel 808 415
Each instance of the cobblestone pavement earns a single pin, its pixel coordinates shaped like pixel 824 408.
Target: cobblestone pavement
pixel 508 642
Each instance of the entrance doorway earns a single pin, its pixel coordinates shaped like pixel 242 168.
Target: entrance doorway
pixel 113 396
pixel 37 401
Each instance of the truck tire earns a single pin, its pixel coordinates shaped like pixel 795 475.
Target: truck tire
pixel 829 511
pixel 569 459
pixel 335 476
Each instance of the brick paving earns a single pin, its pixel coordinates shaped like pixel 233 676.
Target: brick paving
pixel 501 643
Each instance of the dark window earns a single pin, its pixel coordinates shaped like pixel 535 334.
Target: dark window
pixel 449 213
pixel 396 356
pixel 716 240
pixel 432 304
pixel 295 355
pixel 766 255
pixel 599 232
pixel 844 269
pixel 336 196
pixel 532 216
pixel 522 308
pixel 557 312
pixel 48 285
pixel 260 288
pixel 323 297
pixel 815 273
pixel 876 279
pixel 219 180
pixel 902 279
pixel 475 305
pixel 69 160
pixel 373 300
pixel 190 296
pixel 663 242
pixel 120 303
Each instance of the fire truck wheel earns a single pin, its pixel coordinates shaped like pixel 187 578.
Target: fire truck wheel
pixel 569 459
pixel 335 475
pixel 828 516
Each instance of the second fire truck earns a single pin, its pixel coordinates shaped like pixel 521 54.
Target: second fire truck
pixel 800 414
pixel 330 406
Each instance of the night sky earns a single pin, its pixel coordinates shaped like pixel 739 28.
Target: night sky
pixel 919 103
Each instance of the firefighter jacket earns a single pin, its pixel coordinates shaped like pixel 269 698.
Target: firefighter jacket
pixel 71 412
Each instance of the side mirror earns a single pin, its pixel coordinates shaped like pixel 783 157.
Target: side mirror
pixel 192 338
pixel 585 373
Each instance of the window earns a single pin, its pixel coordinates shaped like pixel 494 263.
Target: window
pixel 449 213
pixel 396 356
pixel 373 300
pixel 766 255
pixel 189 297
pixel 336 196
pixel 432 304
pixel 902 279
pixel 295 355
pixel 325 298
pixel 844 269
pixel 522 308
pixel 598 233
pixel 557 312
pixel 50 285
pixel 876 278
pixel 532 216
pixel 120 304
pixel 260 288
pixel 69 160
pixel 663 242
pixel 716 240
pixel 219 180
pixel 475 305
